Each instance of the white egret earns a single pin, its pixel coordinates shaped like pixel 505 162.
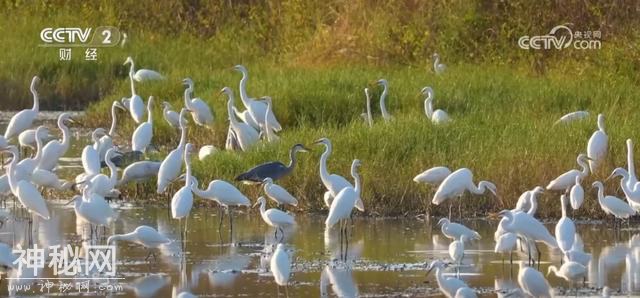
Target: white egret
pixel 90 157
pixel 139 171
pixel 613 205
pixel 223 193
pixel 576 195
pixel 367 115
pixel 172 163
pixel 447 285
pixel 533 282
pixel 438 67
pixel 455 231
pixel 456 184
pixel 102 184
pixel 245 116
pixel 278 194
pixel 200 111
pixel 26 192
pixel 598 145
pixel 506 242
pixel 438 116
pixel 383 106
pixel 55 149
pixel 630 189
pixel 141 138
pixel 568 179
pixel 456 251
pixel 569 271
pixel 142 75
pixel 92 208
pixel 527 202
pixel 142 235
pixel 465 292
pixel 332 182
pixel 606 292
pixel 573 116
pixel 565 228
pixel 257 109
pixel 267 129
pixel 528 227
pixel 134 104
pixel 182 200
pixel 246 135
pixel 578 256
pixel 23 120
pixel 433 176
pixel 344 202
pixel 280 265
pixel 172 117
pixel 44 178
pixel 27 138
pixel 206 150
pixel 274 217
pixel 106 141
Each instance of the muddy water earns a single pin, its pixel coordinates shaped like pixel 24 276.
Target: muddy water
pixel 383 257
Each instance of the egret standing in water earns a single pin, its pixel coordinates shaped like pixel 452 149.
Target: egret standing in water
pixel 55 149
pixel 23 120
pixel 576 195
pixel 275 217
pixel 569 271
pixel 182 200
pixel 344 203
pixel 223 193
pixel 278 193
pixel 598 145
pixel 281 266
pixel 200 111
pixel 613 205
pixel 568 179
pixel 141 138
pixel 134 104
pixel 565 228
pixel 447 285
pixel 527 227
pixel 455 231
pixel 27 194
pixel 172 163
pixel 527 202
pixel 143 235
pixel 456 252
pixel 456 184
pixel 438 67
pixel 332 182
pixel 274 170
pixel 533 282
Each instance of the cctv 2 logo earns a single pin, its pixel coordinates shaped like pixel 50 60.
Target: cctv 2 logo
pixel 103 36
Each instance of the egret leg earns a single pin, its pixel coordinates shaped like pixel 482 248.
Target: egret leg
pixel 281 235
pixel 275 235
pixel 230 225
pixel 450 205
pixel 221 217
pixel 539 253
pixel 460 207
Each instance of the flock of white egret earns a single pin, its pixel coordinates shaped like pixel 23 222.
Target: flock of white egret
pixel 26 177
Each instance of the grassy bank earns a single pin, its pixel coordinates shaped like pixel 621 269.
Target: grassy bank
pixel 315 59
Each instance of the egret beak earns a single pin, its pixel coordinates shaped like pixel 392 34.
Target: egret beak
pixel 589 158
pixel 305 149
pixel 610 176
pixel 429 272
pixel 256 204
pixel 318 141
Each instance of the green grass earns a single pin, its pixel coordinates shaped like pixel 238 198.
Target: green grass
pixel 314 61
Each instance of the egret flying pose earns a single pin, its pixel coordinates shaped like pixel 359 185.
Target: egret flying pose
pixel 383 106
pixel 447 285
pixel 257 109
pixel 568 179
pixel 172 117
pixel 613 205
pixel 200 111
pixel 573 116
pixel 275 217
pixel 438 67
pixel 455 231
pixel 246 135
pixel 598 145
pixel 332 182
pixel 280 265
pixel 141 138
pixel 278 194
pixel 565 228
pixel 344 202
pixel 172 163
pixel 142 75
pixel 26 192
pixel 433 176
pixel 225 194
pixel 438 116
pixel 533 282
pixel 134 104
pixel 142 235
pixel 456 184
pixel 55 149
pixel 23 120
pixel 274 170
pixel 368 117
pixel 569 271
pixel 576 195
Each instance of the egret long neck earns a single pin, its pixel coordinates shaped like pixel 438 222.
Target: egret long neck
pixel 428 107
pixel 188 180
pixel 293 160
pixel 369 116
pixel 243 89
pixel 563 201
pixel 13 181
pixel 356 179
pixel 187 96
pixel 600 193
pixel 183 136
pixel 631 167
pixel 149 112
pixel 383 106
pixel 585 168
pixel 38 148
pixel 534 204
pixel 267 125
pixel 324 174
pixel 36 101
pixel 112 169
pixel 66 134
pixel 114 119
pixel 435 63
pixel 133 87
pixel 232 115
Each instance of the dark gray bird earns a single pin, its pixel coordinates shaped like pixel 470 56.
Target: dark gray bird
pixel 274 170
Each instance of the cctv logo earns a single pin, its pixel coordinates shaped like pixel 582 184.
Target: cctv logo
pixel 65 35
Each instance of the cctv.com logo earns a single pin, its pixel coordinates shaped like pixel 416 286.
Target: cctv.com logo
pixel 562 37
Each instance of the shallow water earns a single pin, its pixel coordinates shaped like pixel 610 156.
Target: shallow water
pixel 384 257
